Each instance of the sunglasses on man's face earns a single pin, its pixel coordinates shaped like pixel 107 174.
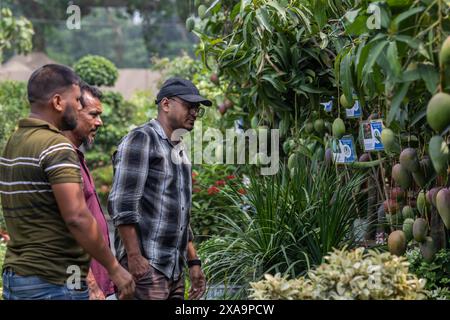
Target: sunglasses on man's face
pixel 194 109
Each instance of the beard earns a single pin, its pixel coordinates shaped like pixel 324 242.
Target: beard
pixel 69 118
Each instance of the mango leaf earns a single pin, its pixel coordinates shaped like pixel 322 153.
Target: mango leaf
pixel 396 101
pixel 410 75
pixel 410 41
pixel 263 18
pixel 373 56
pixel 346 75
pixel 246 29
pixel 277 84
pixel 405 15
pixel 236 10
pixel 361 58
pixel 319 14
pixel 309 89
pixel 392 56
pixel 358 27
pixel 277 7
pixel 430 76
pixel 418 117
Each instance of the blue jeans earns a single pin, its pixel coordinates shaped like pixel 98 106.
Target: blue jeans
pixel 17 287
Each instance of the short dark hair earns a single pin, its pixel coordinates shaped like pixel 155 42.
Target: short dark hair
pixel 94 91
pixel 47 80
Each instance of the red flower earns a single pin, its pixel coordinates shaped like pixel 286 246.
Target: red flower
pixel 194 174
pixel 196 190
pixel 213 190
pixel 220 183
pixel 242 191
pixel 4 235
pixel 231 177
pixel 194 181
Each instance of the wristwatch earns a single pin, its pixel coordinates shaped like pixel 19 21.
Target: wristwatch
pixel 194 262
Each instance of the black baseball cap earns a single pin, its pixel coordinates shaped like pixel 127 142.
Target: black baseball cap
pixel 182 88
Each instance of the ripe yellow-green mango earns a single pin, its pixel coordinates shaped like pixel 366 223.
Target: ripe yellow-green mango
pixel 397 243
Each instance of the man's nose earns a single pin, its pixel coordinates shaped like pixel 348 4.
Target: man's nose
pixel 99 122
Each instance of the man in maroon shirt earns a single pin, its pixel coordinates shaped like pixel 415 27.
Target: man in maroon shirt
pixel 100 285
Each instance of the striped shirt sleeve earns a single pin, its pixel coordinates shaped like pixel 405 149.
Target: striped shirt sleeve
pixel 60 162
pixel 131 166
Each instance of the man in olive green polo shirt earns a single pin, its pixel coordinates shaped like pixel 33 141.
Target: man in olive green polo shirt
pixel 52 232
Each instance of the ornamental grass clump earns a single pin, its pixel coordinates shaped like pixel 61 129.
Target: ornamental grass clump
pixel 347 275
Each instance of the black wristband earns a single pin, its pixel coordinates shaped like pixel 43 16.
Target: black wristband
pixel 194 262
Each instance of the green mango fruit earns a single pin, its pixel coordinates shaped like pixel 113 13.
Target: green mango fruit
pixel 409 160
pixel 408 212
pixel 439 154
pixel 428 249
pixel 319 126
pixel 444 54
pixel 338 128
pixel 443 206
pixel 344 102
pixel 420 229
pixel 309 127
pixel 421 203
pixel 408 229
pixel 438 111
pixel 401 176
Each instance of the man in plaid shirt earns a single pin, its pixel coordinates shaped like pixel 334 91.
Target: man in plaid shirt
pixel 150 200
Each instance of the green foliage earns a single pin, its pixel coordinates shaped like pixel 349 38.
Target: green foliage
pixel 283 224
pixel 276 57
pixel 13 106
pixel 15 33
pixel 2 258
pixel 437 273
pixel 394 65
pixel 103 178
pixel 347 275
pixel 210 184
pixel 96 70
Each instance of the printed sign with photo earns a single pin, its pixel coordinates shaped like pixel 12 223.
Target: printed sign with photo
pixel 344 150
pixel 371 134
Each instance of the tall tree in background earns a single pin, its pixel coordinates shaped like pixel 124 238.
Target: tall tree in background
pixel 15 33
pixel 162 24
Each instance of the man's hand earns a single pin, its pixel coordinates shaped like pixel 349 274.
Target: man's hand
pixel 198 283
pixel 138 266
pixel 123 281
pixel 95 293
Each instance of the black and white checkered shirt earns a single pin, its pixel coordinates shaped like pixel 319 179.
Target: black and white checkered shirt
pixel 153 192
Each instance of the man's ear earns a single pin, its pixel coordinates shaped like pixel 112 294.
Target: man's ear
pixel 56 102
pixel 165 105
